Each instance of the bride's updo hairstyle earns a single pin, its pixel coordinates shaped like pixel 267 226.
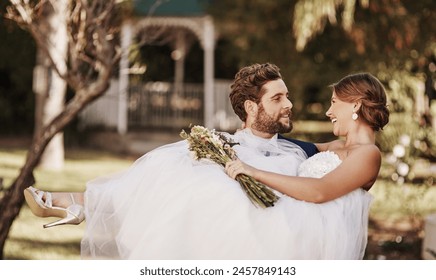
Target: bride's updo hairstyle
pixel 367 89
pixel 248 85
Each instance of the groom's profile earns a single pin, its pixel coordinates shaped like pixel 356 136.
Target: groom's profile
pixel 259 97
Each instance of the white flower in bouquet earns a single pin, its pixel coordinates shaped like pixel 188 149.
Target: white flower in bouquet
pixel 215 146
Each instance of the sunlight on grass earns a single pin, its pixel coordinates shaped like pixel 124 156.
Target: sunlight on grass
pixel 10 163
pixel 80 167
pixel 27 238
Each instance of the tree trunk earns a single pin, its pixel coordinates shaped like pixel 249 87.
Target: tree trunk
pixel 52 96
pixel 11 202
pixel 93 54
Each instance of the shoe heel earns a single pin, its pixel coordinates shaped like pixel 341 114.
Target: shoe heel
pixel 74 216
pixel 57 223
pixel 70 219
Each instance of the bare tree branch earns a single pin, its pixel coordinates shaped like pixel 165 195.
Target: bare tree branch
pixel 93 52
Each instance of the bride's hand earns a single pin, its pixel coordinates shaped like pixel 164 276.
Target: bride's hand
pixel 236 167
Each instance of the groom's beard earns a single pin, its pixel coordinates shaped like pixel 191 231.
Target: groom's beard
pixel 266 123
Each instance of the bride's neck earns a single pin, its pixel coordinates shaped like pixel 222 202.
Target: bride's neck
pixel 361 136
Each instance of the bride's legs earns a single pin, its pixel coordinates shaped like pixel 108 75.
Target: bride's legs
pixel 69 206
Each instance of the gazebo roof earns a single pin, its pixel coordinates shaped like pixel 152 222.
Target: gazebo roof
pixel 171 7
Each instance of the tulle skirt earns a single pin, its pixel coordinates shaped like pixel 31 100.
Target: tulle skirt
pixel 170 206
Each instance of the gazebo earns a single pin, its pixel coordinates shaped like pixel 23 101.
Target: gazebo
pixel 177 24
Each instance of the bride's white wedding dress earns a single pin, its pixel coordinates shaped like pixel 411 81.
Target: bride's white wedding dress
pixel 170 206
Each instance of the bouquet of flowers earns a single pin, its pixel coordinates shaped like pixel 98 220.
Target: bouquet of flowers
pixel 215 146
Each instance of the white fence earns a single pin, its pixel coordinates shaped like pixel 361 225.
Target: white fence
pixel 160 105
pixel 104 111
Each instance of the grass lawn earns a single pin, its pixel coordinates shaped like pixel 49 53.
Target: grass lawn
pixel 27 238
pixel 396 219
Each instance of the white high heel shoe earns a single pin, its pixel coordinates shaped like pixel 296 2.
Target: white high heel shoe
pixel 73 214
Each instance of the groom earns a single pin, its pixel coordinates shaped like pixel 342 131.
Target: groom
pixel 259 97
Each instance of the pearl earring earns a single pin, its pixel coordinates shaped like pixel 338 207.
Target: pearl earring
pixel 354 116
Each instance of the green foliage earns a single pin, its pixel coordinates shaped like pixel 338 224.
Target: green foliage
pixel 394 201
pixel 400 33
pixel 397 45
pixel 396 31
pixel 408 136
pixel 305 26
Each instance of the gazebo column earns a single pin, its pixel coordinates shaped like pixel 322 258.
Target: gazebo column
pixel 204 30
pixel 209 49
pixel 179 55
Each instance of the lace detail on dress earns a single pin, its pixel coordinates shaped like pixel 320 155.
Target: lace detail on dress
pixel 318 165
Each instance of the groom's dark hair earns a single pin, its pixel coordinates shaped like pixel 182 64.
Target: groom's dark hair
pixel 248 85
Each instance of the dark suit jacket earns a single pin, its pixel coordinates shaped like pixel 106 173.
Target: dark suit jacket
pixel 308 147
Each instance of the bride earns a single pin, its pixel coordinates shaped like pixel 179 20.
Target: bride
pixel 171 206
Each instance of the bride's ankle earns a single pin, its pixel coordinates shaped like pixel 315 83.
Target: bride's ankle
pixel 58 200
pixel 64 199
